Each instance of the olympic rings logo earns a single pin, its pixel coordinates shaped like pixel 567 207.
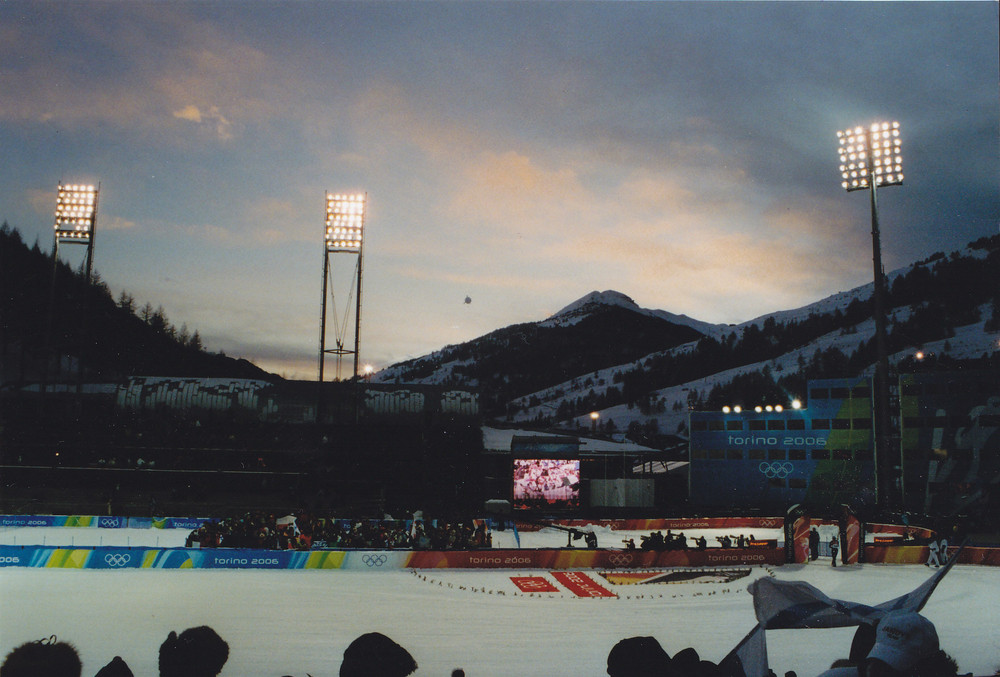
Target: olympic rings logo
pixel 619 559
pixel 115 559
pixel 374 560
pixel 776 470
pixel 108 522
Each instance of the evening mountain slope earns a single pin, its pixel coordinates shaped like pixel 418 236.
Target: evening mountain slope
pixel 946 304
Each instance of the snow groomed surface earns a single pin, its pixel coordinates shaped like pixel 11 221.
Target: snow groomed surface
pixel 295 622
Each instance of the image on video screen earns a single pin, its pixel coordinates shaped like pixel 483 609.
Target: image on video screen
pixel 546 483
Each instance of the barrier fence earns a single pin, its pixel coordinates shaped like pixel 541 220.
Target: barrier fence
pixel 917 554
pixel 101 557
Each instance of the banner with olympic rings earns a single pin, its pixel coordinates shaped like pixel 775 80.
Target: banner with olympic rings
pixel 394 560
pixel 102 521
pixel 373 560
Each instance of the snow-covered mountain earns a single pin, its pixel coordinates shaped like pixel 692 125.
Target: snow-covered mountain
pixel 586 305
pixel 642 368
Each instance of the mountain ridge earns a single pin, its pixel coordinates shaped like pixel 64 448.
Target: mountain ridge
pixel 940 302
pixel 614 298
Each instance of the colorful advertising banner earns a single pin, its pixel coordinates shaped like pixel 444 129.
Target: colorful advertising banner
pixel 367 560
pixel 102 521
pixel 675 524
pixel 593 559
pixel 917 554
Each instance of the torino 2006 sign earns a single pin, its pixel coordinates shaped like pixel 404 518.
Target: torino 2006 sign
pixel 743 441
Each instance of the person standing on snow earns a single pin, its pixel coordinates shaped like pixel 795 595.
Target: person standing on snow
pixel 933 559
pixel 834 547
pixel 813 544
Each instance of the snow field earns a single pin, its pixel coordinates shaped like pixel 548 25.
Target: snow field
pixel 298 622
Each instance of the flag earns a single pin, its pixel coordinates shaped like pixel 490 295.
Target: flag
pixel 749 657
pixel 797 604
pixel 916 599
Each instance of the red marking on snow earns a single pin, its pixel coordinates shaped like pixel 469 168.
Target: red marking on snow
pixel 533 584
pixel 581 584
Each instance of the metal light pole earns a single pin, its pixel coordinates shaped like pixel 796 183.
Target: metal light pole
pixel 75 223
pixel 869 158
pixel 345 219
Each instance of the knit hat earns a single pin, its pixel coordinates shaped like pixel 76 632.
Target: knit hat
pixel 375 655
pixel 638 656
pixel 903 639
pixel 196 652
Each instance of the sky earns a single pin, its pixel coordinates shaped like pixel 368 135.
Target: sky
pixel 518 154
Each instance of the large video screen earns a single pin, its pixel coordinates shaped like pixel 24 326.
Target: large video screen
pixel 545 483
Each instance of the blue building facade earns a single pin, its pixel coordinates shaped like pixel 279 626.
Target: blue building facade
pixel 821 454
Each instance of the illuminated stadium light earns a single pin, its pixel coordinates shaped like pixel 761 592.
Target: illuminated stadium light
pixel 76 213
pixel 796 404
pixel 778 408
pixel 869 159
pixel 75 223
pixel 343 234
pixel 758 409
pixel 870 156
pixel 345 220
pixel 737 408
pixel 726 409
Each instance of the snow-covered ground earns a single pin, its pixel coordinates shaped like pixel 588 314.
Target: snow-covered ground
pixel 299 622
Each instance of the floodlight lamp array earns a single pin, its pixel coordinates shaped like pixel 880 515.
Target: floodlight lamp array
pixel 870 155
pixel 76 208
pixel 345 220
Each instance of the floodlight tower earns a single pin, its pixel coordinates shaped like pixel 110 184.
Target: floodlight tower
pixel 870 158
pixel 75 223
pixel 345 220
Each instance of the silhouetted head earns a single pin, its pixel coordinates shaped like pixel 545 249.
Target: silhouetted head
pixel 638 657
pixel 375 655
pixel 116 668
pixel 196 652
pixel 44 658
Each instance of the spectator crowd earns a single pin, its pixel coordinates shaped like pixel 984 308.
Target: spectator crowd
pixel 901 644
pixel 305 531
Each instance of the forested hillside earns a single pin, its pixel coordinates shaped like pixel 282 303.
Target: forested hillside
pixel 115 338
pixel 609 355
